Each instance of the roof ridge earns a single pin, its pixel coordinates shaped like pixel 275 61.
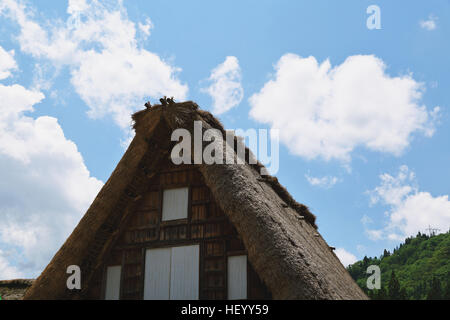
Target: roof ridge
pixel 215 123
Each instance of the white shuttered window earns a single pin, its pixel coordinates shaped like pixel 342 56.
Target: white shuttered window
pixel 157 274
pixel 185 270
pixel 112 290
pixel 237 277
pixel 175 204
pixel 172 273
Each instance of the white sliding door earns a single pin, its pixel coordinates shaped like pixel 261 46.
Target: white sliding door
pixel 184 273
pixel 157 274
pixel 112 290
pixel 172 273
pixel 237 277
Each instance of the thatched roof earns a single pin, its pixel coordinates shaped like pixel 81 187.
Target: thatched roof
pixel 279 234
pixel 14 289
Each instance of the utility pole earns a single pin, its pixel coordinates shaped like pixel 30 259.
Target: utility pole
pixel 432 231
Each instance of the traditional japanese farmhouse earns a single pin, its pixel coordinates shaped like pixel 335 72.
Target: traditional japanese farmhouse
pixel 158 230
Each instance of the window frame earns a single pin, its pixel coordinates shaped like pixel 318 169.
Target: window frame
pixel 246 275
pixel 185 217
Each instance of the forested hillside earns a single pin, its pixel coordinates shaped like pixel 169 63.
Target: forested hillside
pixel 418 269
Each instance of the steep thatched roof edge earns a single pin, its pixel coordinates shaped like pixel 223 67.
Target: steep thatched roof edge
pixel 89 238
pixel 213 122
pixel 283 247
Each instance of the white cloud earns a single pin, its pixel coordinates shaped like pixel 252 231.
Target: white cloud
pixel 366 220
pixel 360 248
pixel 45 186
pixel 6 270
pixel 225 88
pixel 145 28
pixel 76 6
pixel 7 63
pixel 345 257
pixel 324 182
pixel 328 112
pixel 429 24
pixel 374 235
pixel 410 210
pixel 98 43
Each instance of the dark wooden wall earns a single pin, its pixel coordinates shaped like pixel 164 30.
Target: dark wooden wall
pixel 206 225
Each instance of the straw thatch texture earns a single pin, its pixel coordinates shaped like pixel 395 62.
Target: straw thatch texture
pixel 280 234
pixel 14 289
pixel 88 242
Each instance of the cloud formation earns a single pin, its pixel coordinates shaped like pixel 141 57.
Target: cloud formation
pixel 324 182
pixel 429 24
pixel 345 257
pixel 326 112
pixel 7 63
pixel 45 186
pixel 6 270
pixel 225 88
pixel 410 210
pixel 109 69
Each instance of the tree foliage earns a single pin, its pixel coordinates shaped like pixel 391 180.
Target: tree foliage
pixel 417 269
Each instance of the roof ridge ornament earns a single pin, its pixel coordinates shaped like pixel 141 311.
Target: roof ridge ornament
pixel 167 101
pixel 163 101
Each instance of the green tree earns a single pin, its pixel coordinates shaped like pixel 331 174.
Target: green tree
pixel 377 294
pixel 415 262
pixel 403 294
pixel 435 292
pixel 394 288
pixel 381 294
pixel 446 294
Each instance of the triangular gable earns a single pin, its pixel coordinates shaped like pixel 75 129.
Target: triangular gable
pixel 279 234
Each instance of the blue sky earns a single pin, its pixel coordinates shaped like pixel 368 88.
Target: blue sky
pixel 363 114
